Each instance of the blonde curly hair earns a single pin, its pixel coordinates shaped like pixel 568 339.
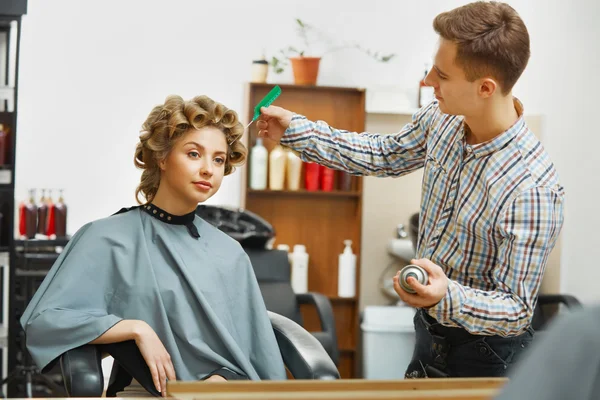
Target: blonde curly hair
pixel 168 122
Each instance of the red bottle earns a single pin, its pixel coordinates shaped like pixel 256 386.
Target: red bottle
pixel 312 177
pixel 50 224
pixel 22 220
pixel 327 178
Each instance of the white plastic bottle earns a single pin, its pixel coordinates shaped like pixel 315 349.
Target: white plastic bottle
pixel 293 169
pixel 347 272
pixel 277 168
pixel 299 269
pixel 258 166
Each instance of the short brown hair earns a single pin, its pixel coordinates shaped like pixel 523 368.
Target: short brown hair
pixel 169 121
pixel 491 40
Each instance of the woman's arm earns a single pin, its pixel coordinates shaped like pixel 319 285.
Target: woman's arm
pixel 127 329
pixel 150 345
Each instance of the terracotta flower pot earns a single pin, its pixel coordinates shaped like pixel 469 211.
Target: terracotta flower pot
pixel 306 70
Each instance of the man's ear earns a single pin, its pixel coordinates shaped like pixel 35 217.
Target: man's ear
pixel 487 87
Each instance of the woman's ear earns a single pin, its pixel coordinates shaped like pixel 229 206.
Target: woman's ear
pixel 162 164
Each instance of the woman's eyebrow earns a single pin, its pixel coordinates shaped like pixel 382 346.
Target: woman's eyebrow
pixel 198 145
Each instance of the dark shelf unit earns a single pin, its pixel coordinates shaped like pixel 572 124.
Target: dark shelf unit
pixel 10 14
pixel 24 263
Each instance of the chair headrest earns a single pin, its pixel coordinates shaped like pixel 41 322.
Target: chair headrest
pixel 270 265
pixel 244 226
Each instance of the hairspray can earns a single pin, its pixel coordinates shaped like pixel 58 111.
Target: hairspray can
pixel 416 272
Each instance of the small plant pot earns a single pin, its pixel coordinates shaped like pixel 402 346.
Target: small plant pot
pixel 306 70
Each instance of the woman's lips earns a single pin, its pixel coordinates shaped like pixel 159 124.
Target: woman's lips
pixel 203 185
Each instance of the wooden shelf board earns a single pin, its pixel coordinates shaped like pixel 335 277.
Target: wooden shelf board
pixel 284 86
pixel 338 299
pixel 334 193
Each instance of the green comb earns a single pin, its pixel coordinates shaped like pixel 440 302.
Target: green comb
pixel 265 102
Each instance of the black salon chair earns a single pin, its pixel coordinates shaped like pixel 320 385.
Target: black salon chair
pixel 546 308
pixel 81 367
pixel 272 270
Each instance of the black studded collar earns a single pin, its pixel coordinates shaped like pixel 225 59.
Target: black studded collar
pixel 162 215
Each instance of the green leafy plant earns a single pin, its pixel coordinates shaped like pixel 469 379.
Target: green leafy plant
pixel 310 35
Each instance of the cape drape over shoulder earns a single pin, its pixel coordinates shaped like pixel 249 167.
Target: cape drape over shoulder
pixel 199 295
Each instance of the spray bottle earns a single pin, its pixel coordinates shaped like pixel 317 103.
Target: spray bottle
pixel 347 271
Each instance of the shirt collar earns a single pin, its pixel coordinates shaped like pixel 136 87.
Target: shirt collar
pixel 498 142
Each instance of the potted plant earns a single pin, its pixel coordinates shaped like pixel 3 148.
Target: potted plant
pixel 305 67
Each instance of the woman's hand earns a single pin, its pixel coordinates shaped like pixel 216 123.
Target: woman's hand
pixel 155 355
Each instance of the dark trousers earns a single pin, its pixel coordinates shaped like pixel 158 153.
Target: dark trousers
pixel 453 352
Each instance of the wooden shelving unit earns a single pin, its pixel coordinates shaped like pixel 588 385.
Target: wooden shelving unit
pixel 320 220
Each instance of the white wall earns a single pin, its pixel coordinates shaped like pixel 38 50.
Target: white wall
pixel 92 70
pixel 561 79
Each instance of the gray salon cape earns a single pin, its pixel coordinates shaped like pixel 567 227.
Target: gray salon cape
pixel 199 295
pixel 564 364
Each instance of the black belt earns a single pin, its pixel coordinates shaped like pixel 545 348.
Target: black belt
pixel 453 335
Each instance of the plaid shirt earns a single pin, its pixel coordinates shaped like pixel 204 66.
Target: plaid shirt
pixel 490 212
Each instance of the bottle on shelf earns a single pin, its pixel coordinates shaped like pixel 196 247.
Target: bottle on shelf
pixel 327 177
pixel 51 218
pixel 426 93
pixel 344 181
pixel 28 217
pixel 277 168
pixel 347 271
pixel 299 269
pixel 60 217
pixel 258 166
pixel 293 169
pixel 42 214
pixel 260 70
pixel 22 220
pixel 4 144
pixel 312 177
